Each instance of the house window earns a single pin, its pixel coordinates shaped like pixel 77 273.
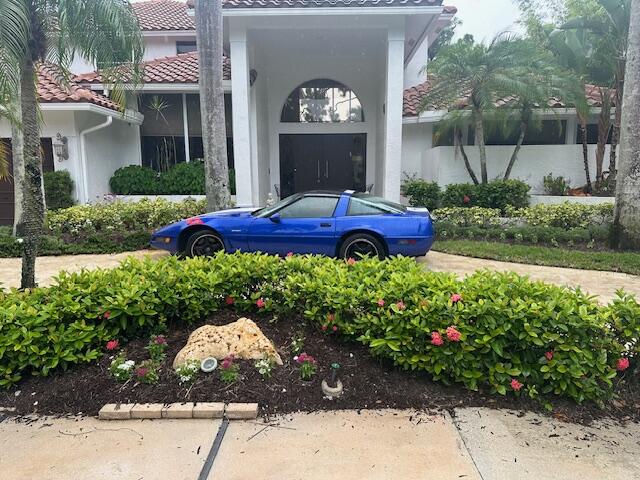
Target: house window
pixel 322 101
pixel 547 132
pixel 592 134
pixel 186 47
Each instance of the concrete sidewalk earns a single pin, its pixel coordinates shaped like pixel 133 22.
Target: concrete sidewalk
pixel 366 445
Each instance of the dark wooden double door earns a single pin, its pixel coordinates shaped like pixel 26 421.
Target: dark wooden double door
pixel 6 185
pixel 322 162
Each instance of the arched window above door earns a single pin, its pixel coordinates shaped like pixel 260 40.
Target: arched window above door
pixel 322 101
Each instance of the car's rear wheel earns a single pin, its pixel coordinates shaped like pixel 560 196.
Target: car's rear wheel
pixel 361 245
pixel 203 243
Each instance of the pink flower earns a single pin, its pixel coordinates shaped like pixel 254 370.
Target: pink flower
pixel 401 305
pixel 324 328
pixel 381 303
pixel 453 334
pixel 194 221
pixel 160 340
pixel 260 303
pixel 466 199
pixel 456 297
pixel 549 355
pixel 515 384
pixel 335 328
pixel 290 254
pixel 106 315
pixel 229 300
pixel 304 358
pixel 436 339
pixel 622 364
pixel 228 361
pixel 351 261
pixel 142 371
pixel 112 345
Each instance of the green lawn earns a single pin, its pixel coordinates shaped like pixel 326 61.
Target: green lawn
pixel 557 257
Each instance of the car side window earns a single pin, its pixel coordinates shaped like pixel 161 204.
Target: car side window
pixel 358 207
pixel 310 207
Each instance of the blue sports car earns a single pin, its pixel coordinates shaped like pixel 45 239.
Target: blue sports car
pixel 337 224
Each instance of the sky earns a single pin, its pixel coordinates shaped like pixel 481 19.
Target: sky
pixel 485 18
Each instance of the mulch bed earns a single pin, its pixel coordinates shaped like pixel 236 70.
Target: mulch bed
pixel 368 381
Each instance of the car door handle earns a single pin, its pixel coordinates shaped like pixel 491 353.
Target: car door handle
pixel 325 224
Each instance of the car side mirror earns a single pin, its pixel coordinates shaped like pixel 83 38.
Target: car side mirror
pixel 275 218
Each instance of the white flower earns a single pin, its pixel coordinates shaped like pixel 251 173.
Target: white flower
pixel 19 240
pixel 295 359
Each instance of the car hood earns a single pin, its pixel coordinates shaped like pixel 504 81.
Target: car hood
pixel 231 212
pixel 418 211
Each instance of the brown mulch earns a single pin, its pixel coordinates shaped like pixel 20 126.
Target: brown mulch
pixel 369 382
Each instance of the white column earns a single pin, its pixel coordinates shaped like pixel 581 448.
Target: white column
pixel 185 125
pixel 393 114
pixel 241 117
pixel 572 131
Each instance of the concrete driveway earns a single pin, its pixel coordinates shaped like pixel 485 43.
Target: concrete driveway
pixel 478 444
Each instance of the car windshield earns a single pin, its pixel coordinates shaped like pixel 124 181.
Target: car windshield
pixel 380 203
pixel 267 211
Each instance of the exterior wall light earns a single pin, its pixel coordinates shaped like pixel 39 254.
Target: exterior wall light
pixel 61 148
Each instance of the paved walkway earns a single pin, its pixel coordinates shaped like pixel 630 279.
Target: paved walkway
pixel 603 284
pixel 478 444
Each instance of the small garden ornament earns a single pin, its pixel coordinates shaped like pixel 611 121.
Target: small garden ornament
pixel 333 388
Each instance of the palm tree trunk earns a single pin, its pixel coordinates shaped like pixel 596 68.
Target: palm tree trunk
pixel 18 171
pixel 604 127
pixel 626 232
pixel 33 199
pixel 516 150
pixel 214 140
pixel 479 124
pixel 467 164
pixel 585 151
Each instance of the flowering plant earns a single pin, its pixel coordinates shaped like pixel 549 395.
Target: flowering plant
pixel 308 365
pixel 112 345
pixel 265 367
pixel 157 348
pixel 188 372
pixel 121 369
pixel 229 370
pixel 147 372
pixel 297 343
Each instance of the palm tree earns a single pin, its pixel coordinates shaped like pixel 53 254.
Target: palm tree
pixel 214 140
pixel 627 215
pixel 477 75
pixel 105 32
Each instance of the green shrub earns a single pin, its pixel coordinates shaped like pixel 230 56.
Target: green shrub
pixel 183 179
pixel 467 217
pixel 498 194
pixel 422 193
pixel 555 185
pixel 565 215
pixel 120 216
pixel 497 330
pixel 58 189
pixel 134 180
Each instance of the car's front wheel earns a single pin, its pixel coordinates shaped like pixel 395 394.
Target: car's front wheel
pixel 361 245
pixel 203 243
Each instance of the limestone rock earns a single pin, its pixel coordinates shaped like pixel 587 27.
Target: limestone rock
pixel 242 338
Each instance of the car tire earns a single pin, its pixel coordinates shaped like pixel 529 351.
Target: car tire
pixel 361 244
pixel 203 243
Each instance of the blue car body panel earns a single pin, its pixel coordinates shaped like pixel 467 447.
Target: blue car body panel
pixel 408 233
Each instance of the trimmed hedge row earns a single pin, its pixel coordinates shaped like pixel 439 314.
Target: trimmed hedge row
pixel 488 330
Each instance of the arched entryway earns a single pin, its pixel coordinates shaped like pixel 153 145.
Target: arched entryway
pixel 323 157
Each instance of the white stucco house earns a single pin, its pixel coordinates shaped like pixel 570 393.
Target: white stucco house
pixel 319 94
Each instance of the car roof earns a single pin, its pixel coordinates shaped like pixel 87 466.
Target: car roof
pixel 335 193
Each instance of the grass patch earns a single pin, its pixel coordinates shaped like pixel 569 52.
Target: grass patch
pixel 625 262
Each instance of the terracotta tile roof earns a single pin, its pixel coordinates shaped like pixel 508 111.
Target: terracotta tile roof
pixel 413 97
pixel 52 88
pixel 162 15
pixel 182 68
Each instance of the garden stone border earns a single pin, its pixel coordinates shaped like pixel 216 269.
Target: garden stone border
pixel 178 410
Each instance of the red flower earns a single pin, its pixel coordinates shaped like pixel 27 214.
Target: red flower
pixel 351 261
pixel 622 364
pixel 381 303
pixel 324 328
pixel 229 300
pixel 456 297
pixel 194 221
pixel 303 357
pixel 290 254
pixel 549 355
pixel 436 339
pixel 160 340
pixel 466 199
pixel 453 334
pixel 228 361
pixel 335 328
pixel 260 303
pixel 112 345
pixel 142 371
pixel 401 305
pixel 106 315
pixel 515 384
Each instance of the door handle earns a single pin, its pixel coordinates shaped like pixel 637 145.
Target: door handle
pixel 324 224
